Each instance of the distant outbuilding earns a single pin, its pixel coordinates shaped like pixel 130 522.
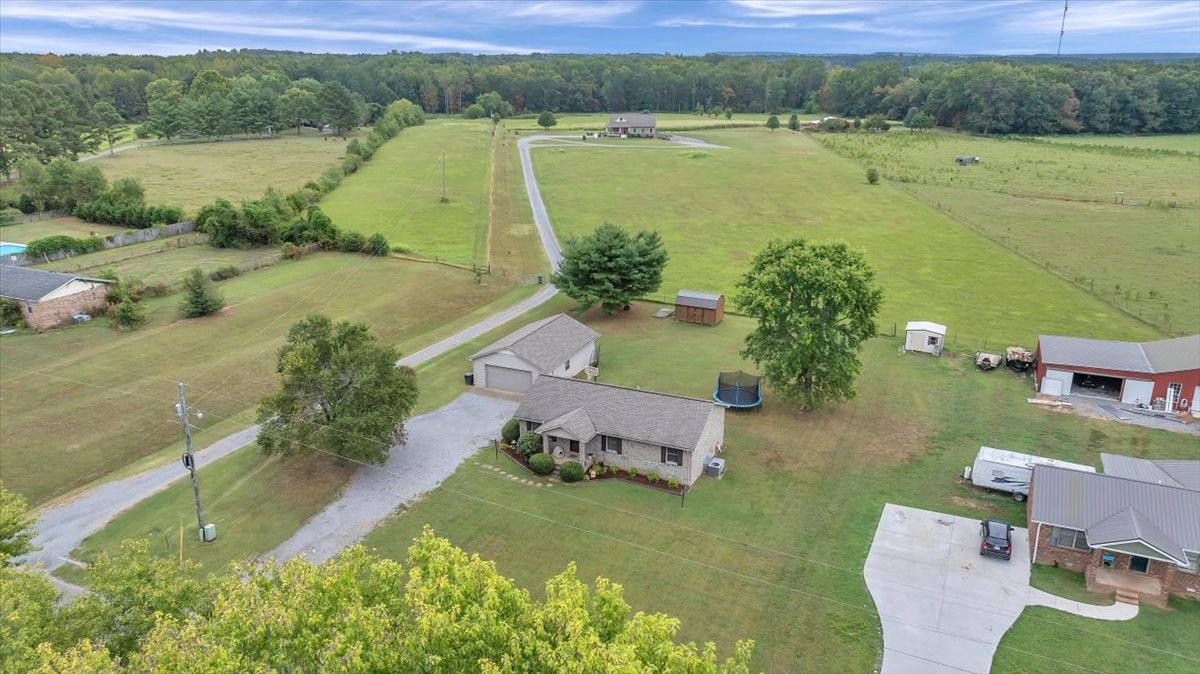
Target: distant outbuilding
pixel 695 306
pixel 924 337
pixel 49 299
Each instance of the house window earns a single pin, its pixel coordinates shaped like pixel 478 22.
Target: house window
pixel 933 341
pixel 1174 391
pixel 1193 565
pixel 29 307
pixel 1068 538
pixel 672 456
pixel 611 444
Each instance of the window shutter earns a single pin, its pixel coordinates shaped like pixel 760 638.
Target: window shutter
pixel 664 454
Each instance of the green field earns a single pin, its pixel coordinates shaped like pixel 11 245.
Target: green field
pixel 77 404
pixel 774 551
pixel 194 174
pixel 716 208
pixel 1176 142
pixel 666 122
pixel 163 261
pixel 71 226
pixel 1054 204
pixel 398 193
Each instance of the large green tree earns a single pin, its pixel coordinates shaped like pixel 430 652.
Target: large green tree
pixel 16 527
pixel 547 120
pixel 299 106
pixel 611 267
pixel 338 108
pixel 165 100
pixel 106 124
pixel 340 392
pixel 815 305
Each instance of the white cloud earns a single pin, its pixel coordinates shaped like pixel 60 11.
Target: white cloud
pixel 538 12
pixel 783 9
pixel 41 43
pixel 685 22
pixel 1112 16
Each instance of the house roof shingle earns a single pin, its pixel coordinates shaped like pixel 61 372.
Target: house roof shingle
pixel 632 119
pixel 1185 474
pixel 545 344
pixel 1164 355
pixel 1111 508
pixel 633 414
pixel 31 285
pixel 697 298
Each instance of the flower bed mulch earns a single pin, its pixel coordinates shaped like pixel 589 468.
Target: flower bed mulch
pixel 601 473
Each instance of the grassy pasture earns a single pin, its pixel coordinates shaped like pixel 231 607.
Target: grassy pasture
pixel 194 174
pixel 1177 142
pixel 79 403
pixel 162 261
pixel 716 208
pixel 71 226
pixel 774 551
pixel 1054 204
pixel 398 192
pixel 666 122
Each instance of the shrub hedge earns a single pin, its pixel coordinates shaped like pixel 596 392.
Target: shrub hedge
pixel 542 464
pixel 571 471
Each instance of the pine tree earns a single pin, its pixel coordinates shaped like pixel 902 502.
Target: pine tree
pixel 199 296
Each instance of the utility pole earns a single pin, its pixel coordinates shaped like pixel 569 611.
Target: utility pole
pixel 1063 28
pixel 189 459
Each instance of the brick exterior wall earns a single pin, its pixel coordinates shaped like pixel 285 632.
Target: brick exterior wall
pixel 53 313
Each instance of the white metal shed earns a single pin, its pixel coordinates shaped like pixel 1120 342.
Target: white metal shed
pixel 924 337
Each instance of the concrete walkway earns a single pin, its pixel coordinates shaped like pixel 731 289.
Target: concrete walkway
pixel 943 607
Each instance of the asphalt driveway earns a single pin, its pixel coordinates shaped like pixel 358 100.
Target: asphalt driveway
pixel 944 608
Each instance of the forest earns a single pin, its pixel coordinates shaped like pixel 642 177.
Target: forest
pixel 60 105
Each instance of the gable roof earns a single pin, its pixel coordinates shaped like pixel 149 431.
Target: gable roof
pixel 697 298
pixel 1113 509
pixel 633 414
pixel 545 344
pixel 927 326
pixel 31 285
pixel 632 119
pixel 1164 355
pixel 576 423
pixel 1185 474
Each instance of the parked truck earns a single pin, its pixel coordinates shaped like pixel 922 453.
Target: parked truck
pixel 1010 472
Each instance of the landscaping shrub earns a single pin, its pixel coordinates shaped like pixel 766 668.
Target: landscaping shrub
pixel 653 478
pixel 156 290
pixel 25 204
pixel 129 314
pixel 226 272
pixel 571 471
pixel 542 464
pixel 529 444
pixel 511 430
pixel 290 251
pixel 10 314
pixel 351 242
pixel 633 472
pixel 673 484
pixel 403 250
pixel 873 175
pixel 613 470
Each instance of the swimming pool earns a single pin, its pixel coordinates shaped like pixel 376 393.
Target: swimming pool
pixel 7 248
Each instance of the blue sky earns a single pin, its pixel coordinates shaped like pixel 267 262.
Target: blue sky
pixel 616 26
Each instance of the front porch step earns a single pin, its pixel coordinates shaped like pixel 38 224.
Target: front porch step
pixel 1128 597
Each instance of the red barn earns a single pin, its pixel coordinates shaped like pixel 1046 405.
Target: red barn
pixel 1163 375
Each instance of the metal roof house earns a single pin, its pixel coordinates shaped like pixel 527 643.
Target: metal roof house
pixel 673 436
pixel 1134 528
pixel 559 345
pixel 632 124
pixel 1162 375
pixel 925 337
pixel 694 306
pixel 49 299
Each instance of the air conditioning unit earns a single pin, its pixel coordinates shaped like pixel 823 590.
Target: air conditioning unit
pixel 715 467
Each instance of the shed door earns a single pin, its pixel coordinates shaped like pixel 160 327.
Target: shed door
pixel 1062 388
pixel 1137 391
pixel 507 378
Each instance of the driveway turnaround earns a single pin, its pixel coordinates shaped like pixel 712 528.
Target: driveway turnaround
pixel 437 443
pixel 944 608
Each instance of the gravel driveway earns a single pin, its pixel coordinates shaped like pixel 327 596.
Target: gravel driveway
pixel 437 443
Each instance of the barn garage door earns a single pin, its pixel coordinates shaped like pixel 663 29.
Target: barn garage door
pixel 1064 378
pixel 1137 391
pixel 508 379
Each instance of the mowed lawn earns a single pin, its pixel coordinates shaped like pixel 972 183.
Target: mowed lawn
pixel 192 175
pixel 68 225
pixel 79 403
pixel 1055 204
pixel 1178 142
pixel 774 551
pixel 164 260
pixel 398 193
pixel 666 122
pixel 717 208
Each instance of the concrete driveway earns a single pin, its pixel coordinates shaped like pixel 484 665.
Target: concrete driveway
pixel 943 607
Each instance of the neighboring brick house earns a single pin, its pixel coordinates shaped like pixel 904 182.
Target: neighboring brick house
pixel 49 299
pixel 1134 529
pixel 670 435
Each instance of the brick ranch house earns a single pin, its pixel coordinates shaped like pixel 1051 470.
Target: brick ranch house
pixel 632 124
pixel 1133 529
pixel 1163 374
pixel 49 299
pixel 592 423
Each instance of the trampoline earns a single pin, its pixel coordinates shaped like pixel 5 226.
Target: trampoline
pixel 738 389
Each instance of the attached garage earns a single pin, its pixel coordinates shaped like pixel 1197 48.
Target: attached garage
pixel 559 345
pixel 1152 375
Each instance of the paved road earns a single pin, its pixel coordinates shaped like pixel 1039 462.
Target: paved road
pixel 943 607
pixel 437 443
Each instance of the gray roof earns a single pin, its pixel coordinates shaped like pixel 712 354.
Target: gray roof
pixel 1113 509
pixel 545 344
pixel 31 285
pixel 1185 474
pixel 632 119
pixel 1164 355
pixel 633 414
pixel 697 298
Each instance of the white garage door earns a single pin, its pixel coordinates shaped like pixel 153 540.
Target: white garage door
pixel 1137 391
pixel 1062 376
pixel 507 378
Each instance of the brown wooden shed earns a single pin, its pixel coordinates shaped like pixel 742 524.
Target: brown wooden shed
pixel 694 306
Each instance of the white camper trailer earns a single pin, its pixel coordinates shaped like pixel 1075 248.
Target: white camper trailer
pixel 1010 472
